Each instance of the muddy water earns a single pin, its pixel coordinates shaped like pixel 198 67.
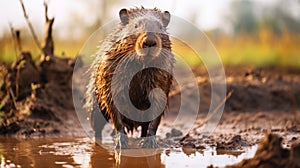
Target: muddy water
pixel 82 152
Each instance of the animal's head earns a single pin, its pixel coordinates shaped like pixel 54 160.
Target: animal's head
pixel 148 27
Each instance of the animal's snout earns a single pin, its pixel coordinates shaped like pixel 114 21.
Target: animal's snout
pixel 148 44
pixel 149 41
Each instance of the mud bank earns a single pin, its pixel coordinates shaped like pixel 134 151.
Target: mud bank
pixel 36 98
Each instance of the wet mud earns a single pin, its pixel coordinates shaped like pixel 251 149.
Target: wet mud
pixel 36 101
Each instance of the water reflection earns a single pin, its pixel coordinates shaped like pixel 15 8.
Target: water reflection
pixel 124 158
pixel 31 153
pixel 82 152
pixel 101 157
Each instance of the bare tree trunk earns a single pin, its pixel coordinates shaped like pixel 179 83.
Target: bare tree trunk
pixel 48 46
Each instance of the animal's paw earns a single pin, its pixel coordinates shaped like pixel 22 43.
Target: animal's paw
pixel 121 141
pixel 150 142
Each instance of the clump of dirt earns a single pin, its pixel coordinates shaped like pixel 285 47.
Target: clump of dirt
pixel 270 153
pixel 36 99
pixel 174 133
pixel 234 143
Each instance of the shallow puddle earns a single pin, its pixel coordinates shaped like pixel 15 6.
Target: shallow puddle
pixel 82 152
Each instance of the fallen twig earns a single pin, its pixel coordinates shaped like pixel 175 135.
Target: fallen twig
pixel 189 85
pixel 216 109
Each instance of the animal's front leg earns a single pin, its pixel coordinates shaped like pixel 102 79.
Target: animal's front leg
pixel 98 122
pixel 145 127
pixel 150 141
pixel 121 136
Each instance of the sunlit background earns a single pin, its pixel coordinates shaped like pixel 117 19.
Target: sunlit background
pixel 257 32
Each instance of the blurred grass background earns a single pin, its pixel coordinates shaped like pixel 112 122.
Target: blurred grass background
pixel 251 35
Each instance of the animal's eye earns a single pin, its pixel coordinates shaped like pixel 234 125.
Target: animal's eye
pixel 135 26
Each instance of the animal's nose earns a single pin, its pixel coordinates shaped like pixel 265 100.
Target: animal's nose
pixel 150 40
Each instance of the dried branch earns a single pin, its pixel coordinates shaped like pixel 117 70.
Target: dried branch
pixel 219 106
pixel 46 11
pixel 31 27
pixel 216 109
pixel 17 80
pixel 13 97
pixel 13 34
pixel 189 85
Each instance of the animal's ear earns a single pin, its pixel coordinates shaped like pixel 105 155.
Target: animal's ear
pixel 165 18
pixel 124 16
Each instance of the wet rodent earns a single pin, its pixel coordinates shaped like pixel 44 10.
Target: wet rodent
pixel 140 40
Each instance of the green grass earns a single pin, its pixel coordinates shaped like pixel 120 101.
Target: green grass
pixel 243 49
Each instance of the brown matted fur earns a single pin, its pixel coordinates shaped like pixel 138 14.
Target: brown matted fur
pixel 139 39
